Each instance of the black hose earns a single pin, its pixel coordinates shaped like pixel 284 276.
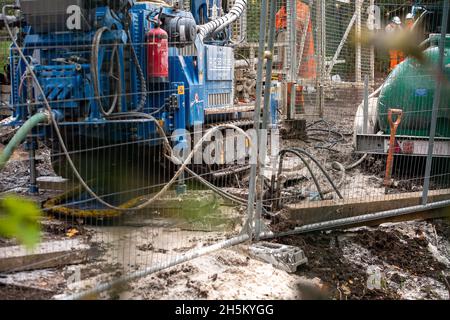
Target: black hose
pixel 143 99
pixel 332 142
pixel 338 167
pixel 321 168
pixel 280 170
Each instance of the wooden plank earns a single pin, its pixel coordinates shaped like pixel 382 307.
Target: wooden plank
pixel 55 184
pixel 45 255
pixel 312 212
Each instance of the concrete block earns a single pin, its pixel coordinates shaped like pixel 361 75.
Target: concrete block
pixel 283 257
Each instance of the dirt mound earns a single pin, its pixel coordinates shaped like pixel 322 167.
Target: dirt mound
pixel 408 254
pixel 326 261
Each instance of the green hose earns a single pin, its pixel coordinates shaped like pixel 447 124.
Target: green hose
pixel 21 135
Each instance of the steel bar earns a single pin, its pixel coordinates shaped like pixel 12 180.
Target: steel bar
pixel 257 115
pixel 291 55
pixel 372 56
pixel 345 222
pixel 262 149
pixel 358 5
pixel 436 103
pixel 366 104
pixel 303 40
pixel 341 44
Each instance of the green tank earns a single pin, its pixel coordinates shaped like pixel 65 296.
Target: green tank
pixel 411 87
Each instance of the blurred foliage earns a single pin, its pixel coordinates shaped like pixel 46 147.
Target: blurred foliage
pixel 19 218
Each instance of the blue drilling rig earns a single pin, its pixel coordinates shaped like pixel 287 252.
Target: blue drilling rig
pixel 120 71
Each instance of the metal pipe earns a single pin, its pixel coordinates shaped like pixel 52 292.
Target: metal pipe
pixel 366 104
pixel 266 113
pixel 339 223
pixel 140 274
pixel 32 145
pixel 436 103
pixel 257 114
pixel 32 141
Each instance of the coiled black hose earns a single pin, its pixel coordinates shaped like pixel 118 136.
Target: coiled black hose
pixel 321 168
pixel 282 153
pixel 331 141
pixel 300 153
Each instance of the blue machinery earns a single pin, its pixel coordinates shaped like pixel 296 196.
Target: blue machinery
pixel 200 80
pixel 95 64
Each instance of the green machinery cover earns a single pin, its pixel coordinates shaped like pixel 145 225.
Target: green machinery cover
pixel 411 87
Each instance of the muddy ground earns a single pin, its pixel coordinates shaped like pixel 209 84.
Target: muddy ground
pixel 409 260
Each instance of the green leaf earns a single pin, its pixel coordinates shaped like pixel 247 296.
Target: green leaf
pixel 19 218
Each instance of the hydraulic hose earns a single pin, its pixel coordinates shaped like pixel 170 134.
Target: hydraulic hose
pixel 222 22
pixel 169 151
pixel 357 163
pixel 338 167
pixel 280 170
pixel 321 168
pixel 21 134
pixel 143 98
pixel 96 76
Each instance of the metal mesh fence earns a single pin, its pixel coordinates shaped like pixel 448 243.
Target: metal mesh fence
pixel 148 159
pixel 140 164
pixel 339 163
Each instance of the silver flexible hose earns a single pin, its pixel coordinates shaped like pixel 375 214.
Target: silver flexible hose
pixel 218 24
pixel 95 75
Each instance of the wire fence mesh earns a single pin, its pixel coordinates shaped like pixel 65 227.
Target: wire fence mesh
pixel 132 99
pixel 143 161
pixel 341 165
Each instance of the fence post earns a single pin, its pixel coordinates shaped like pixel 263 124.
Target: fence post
pixel 366 104
pixel 436 103
pixel 291 8
pixel 257 118
pixel 262 152
pixel 372 56
pixel 321 49
pixel 358 5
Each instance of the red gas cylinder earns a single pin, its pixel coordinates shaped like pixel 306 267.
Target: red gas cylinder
pixel 157 55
